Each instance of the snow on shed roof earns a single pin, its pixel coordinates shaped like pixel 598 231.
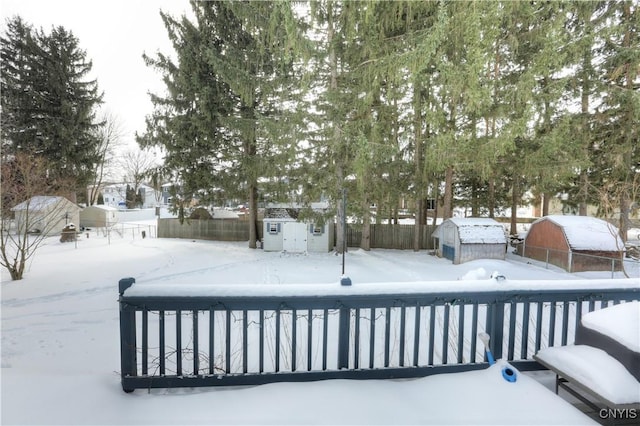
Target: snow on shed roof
pixel 102 207
pixel 479 230
pixel 224 214
pixel 587 233
pixel 40 202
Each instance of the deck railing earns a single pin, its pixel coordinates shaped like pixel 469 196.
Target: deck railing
pixel 220 336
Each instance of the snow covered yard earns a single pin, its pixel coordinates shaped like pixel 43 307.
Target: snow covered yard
pixel 60 342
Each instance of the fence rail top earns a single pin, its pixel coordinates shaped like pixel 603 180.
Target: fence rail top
pixel 177 290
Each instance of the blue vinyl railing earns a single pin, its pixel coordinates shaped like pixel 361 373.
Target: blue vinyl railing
pixel 189 341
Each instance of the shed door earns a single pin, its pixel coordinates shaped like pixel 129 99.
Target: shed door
pixel 294 237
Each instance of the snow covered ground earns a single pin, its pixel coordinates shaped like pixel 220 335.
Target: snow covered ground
pixel 60 341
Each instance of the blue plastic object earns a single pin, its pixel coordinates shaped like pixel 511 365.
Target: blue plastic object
pixel 490 357
pixel 509 374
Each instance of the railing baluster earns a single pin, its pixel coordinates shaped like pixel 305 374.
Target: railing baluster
pixel 402 333
pixel 460 332
pixel 344 323
pixel 565 322
pixel 227 348
pixel 512 331
pixel 145 342
pixel 261 344
pixel 525 332
pixel 474 332
pixel 161 339
pixel 277 343
pixel 387 335
pixel 552 323
pixel 325 326
pixel 309 339
pixel 294 339
pixel 356 349
pixel 179 342
pixel 211 340
pixel 488 325
pixel 196 349
pixel 372 337
pixel 245 343
pixel 578 313
pixel 539 312
pixel 416 335
pixel 445 334
pixel 432 326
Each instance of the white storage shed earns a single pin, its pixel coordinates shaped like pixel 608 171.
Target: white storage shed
pixel 282 231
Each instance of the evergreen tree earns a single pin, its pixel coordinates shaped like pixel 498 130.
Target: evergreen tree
pixel 222 123
pixel 618 121
pixel 48 105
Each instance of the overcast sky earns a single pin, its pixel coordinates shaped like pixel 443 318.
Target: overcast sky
pixel 114 34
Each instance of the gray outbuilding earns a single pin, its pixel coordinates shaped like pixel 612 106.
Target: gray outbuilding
pixel 463 239
pixel 284 231
pixel 46 214
pixel 98 216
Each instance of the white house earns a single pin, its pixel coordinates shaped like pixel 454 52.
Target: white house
pixel 283 231
pixel 46 214
pixel 114 195
pixel 463 239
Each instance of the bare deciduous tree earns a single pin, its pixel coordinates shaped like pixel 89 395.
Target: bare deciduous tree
pixel 27 216
pixel 136 165
pixel 110 136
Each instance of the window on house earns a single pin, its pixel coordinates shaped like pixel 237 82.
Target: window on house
pixel 317 229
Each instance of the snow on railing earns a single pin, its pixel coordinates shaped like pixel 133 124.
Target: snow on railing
pixel 205 335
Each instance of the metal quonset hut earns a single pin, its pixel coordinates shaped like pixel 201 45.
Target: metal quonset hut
pixel 463 239
pixel 282 231
pixel 574 243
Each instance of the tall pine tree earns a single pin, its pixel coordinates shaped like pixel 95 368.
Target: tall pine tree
pixel 48 104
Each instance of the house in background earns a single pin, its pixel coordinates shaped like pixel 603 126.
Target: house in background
pixel 98 216
pixel 284 230
pixel 574 243
pixel 463 239
pixel 46 214
pixel 115 195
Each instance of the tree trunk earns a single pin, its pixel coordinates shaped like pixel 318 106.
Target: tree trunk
pixel 418 179
pixel 253 215
pixel 584 190
pixel 546 199
pixel 447 211
pixel 365 241
pixel 515 200
pixel 491 202
pixel 339 161
pixel 624 216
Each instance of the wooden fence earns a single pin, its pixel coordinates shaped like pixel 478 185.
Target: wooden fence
pixel 219 230
pixel 382 236
pixel 391 236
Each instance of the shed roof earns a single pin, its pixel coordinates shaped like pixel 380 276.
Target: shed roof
pixel 479 230
pixel 102 207
pixel 224 214
pixel 41 202
pixel 587 233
